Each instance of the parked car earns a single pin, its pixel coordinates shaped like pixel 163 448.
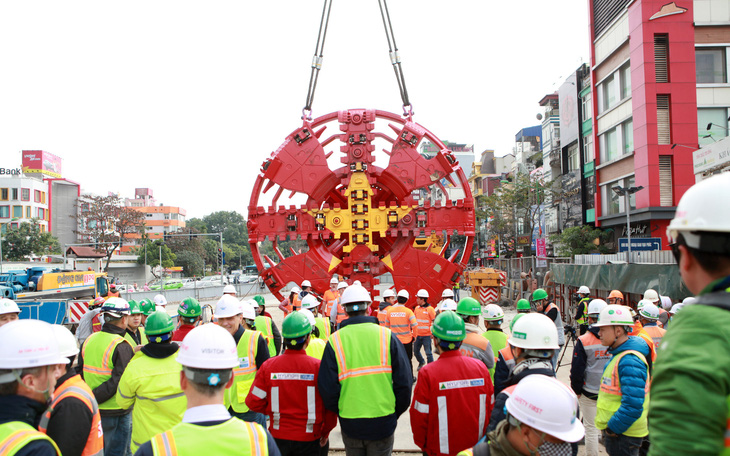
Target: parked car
pixel 169 284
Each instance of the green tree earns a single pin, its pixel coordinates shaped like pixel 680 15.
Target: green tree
pixel 580 240
pixel 154 253
pixel 27 240
pixel 191 262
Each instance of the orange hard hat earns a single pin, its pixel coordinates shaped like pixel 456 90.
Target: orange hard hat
pixel 616 294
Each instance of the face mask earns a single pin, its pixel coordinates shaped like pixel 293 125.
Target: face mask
pixel 555 449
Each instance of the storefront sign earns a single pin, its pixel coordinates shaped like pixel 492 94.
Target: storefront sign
pixel 38 161
pixel 713 155
pixel 640 244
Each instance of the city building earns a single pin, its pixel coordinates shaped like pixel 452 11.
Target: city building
pixel 659 78
pixel 464 153
pixel 527 150
pixel 159 219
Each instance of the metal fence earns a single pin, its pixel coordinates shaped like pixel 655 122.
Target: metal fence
pixel 524 275
pixel 201 294
pixel 655 257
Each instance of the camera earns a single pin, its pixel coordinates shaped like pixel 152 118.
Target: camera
pixel 569 329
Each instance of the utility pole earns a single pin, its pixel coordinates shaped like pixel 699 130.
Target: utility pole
pixel 626 192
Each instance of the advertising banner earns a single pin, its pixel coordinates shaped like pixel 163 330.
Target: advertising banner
pixel 41 162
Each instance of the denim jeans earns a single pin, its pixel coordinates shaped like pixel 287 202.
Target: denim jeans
pixel 357 447
pixel 425 342
pixel 117 434
pixel 621 445
pixel 251 417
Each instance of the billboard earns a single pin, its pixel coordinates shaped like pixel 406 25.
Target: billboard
pixel 41 162
pixel 569 122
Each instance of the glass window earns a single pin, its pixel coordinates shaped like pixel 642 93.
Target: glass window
pixel 4 211
pixel 608 93
pixel 611 204
pixel 27 212
pixel 4 194
pixel 15 194
pixel 573 158
pixel 610 150
pixel 37 196
pixel 716 119
pixel 627 136
pixel 18 211
pixel 588 155
pixel 625 72
pixel 587 107
pixel 711 65
pixel 25 194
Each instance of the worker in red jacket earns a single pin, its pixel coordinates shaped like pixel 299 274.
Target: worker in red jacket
pixel 285 389
pixel 453 397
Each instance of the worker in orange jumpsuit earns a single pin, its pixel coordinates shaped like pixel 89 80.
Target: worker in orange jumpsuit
pixel 425 314
pixel 402 323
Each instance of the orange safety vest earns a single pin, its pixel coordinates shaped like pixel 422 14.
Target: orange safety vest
pixel 297 304
pixel 506 353
pixel 424 319
pixel 382 314
pixel 76 387
pixel 341 314
pixel 330 299
pixel 401 322
pixel 656 333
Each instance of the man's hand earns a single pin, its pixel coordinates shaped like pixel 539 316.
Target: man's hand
pixel 323 441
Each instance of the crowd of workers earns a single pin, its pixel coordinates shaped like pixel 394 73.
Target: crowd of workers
pixel 132 380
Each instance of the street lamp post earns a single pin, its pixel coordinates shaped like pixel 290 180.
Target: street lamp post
pixel 626 192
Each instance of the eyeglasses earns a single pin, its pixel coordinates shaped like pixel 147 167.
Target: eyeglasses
pixel 675 251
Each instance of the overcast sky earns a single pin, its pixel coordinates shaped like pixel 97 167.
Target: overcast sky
pixel 189 98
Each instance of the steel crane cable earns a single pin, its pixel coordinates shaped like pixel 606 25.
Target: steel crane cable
pixel 317 59
pixel 395 58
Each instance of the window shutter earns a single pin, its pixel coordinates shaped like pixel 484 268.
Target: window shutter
pixel 661 58
pixel 665 180
pixel 664 135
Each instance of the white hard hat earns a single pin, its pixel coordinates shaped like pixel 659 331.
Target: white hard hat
pixel 615 315
pixel 229 289
pixel 355 294
pixel 389 293
pixel 306 283
pixel 640 305
pixel 702 208
pixel 247 310
pixel 447 293
pixel 116 307
pixel 67 343
pixel 309 302
pixel 310 316
pixel 677 307
pixel 254 303
pixel 341 285
pixel 404 294
pixel 596 306
pixel 422 294
pixel 666 302
pixel 650 312
pixel 546 405
pixel 333 281
pixel 8 306
pixel 651 295
pixel 295 289
pixel 159 300
pixel 208 347
pixel 357 282
pixel 584 290
pixel 534 331
pixel 27 343
pixel 689 300
pixel 227 307
pixel 448 304
pixel 492 312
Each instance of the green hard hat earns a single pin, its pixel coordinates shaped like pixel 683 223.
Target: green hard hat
pixel 260 300
pixel 512 323
pixel 449 326
pixel 189 308
pixel 159 323
pixel 147 306
pixel 523 304
pixel 295 325
pixel 469 306
pixel 539 294
pixel 135 307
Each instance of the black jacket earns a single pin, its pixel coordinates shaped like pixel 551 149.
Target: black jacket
pixel 28 411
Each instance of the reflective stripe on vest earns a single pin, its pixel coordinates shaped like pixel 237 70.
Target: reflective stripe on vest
pixel 75 387
pixel 401 321
pixel 15 435
pixel 364 365
pixel 311 408
pixel 97 352
pixel 609 397
pixel 230 437
pixel 341 314
pixel 656 333
pixel 506 353
pixel 597 357
pixel 244 374
pixel 263 324
pixel 583 319
pixel 443 420
pixel 323 323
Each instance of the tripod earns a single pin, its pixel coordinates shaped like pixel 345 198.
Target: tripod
pixel 572 337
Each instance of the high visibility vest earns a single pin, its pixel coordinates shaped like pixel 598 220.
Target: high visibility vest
pixel 142 337
pixel 76 387
pixel 329 299
pixel 364 370
pixel 424 320
pixel 498 340
pixel 506 353
pixel 558 323
pixel 14 435
pixel 597 357
pixel 152 386
pixel 341 314
pixel 401 321
pixel 649 341
pixel 263 324
pixel 583 319
pixel 96 323
pixel 244 374
pixel 609 397
pixel 297 304
pixel 230 437
pixel 98 365
pixel 656 333
pixel 315 349
pixel 323 323
pixel 382 314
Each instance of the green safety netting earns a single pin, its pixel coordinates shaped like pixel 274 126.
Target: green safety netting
pixel 628 278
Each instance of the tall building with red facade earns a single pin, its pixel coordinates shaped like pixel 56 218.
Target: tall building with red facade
pixel 648 65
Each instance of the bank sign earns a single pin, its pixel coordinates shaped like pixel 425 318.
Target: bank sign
pixel 41 162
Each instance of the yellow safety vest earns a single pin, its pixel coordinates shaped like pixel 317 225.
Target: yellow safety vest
pixel 263 324
pixel 583 319
pixel 315 349
pixel 97 353
pixel 244 374
pixel 364 370
pixel 142 337
pixel 230 437
pixel 15 435
pixel 609 397
pixel 323 323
